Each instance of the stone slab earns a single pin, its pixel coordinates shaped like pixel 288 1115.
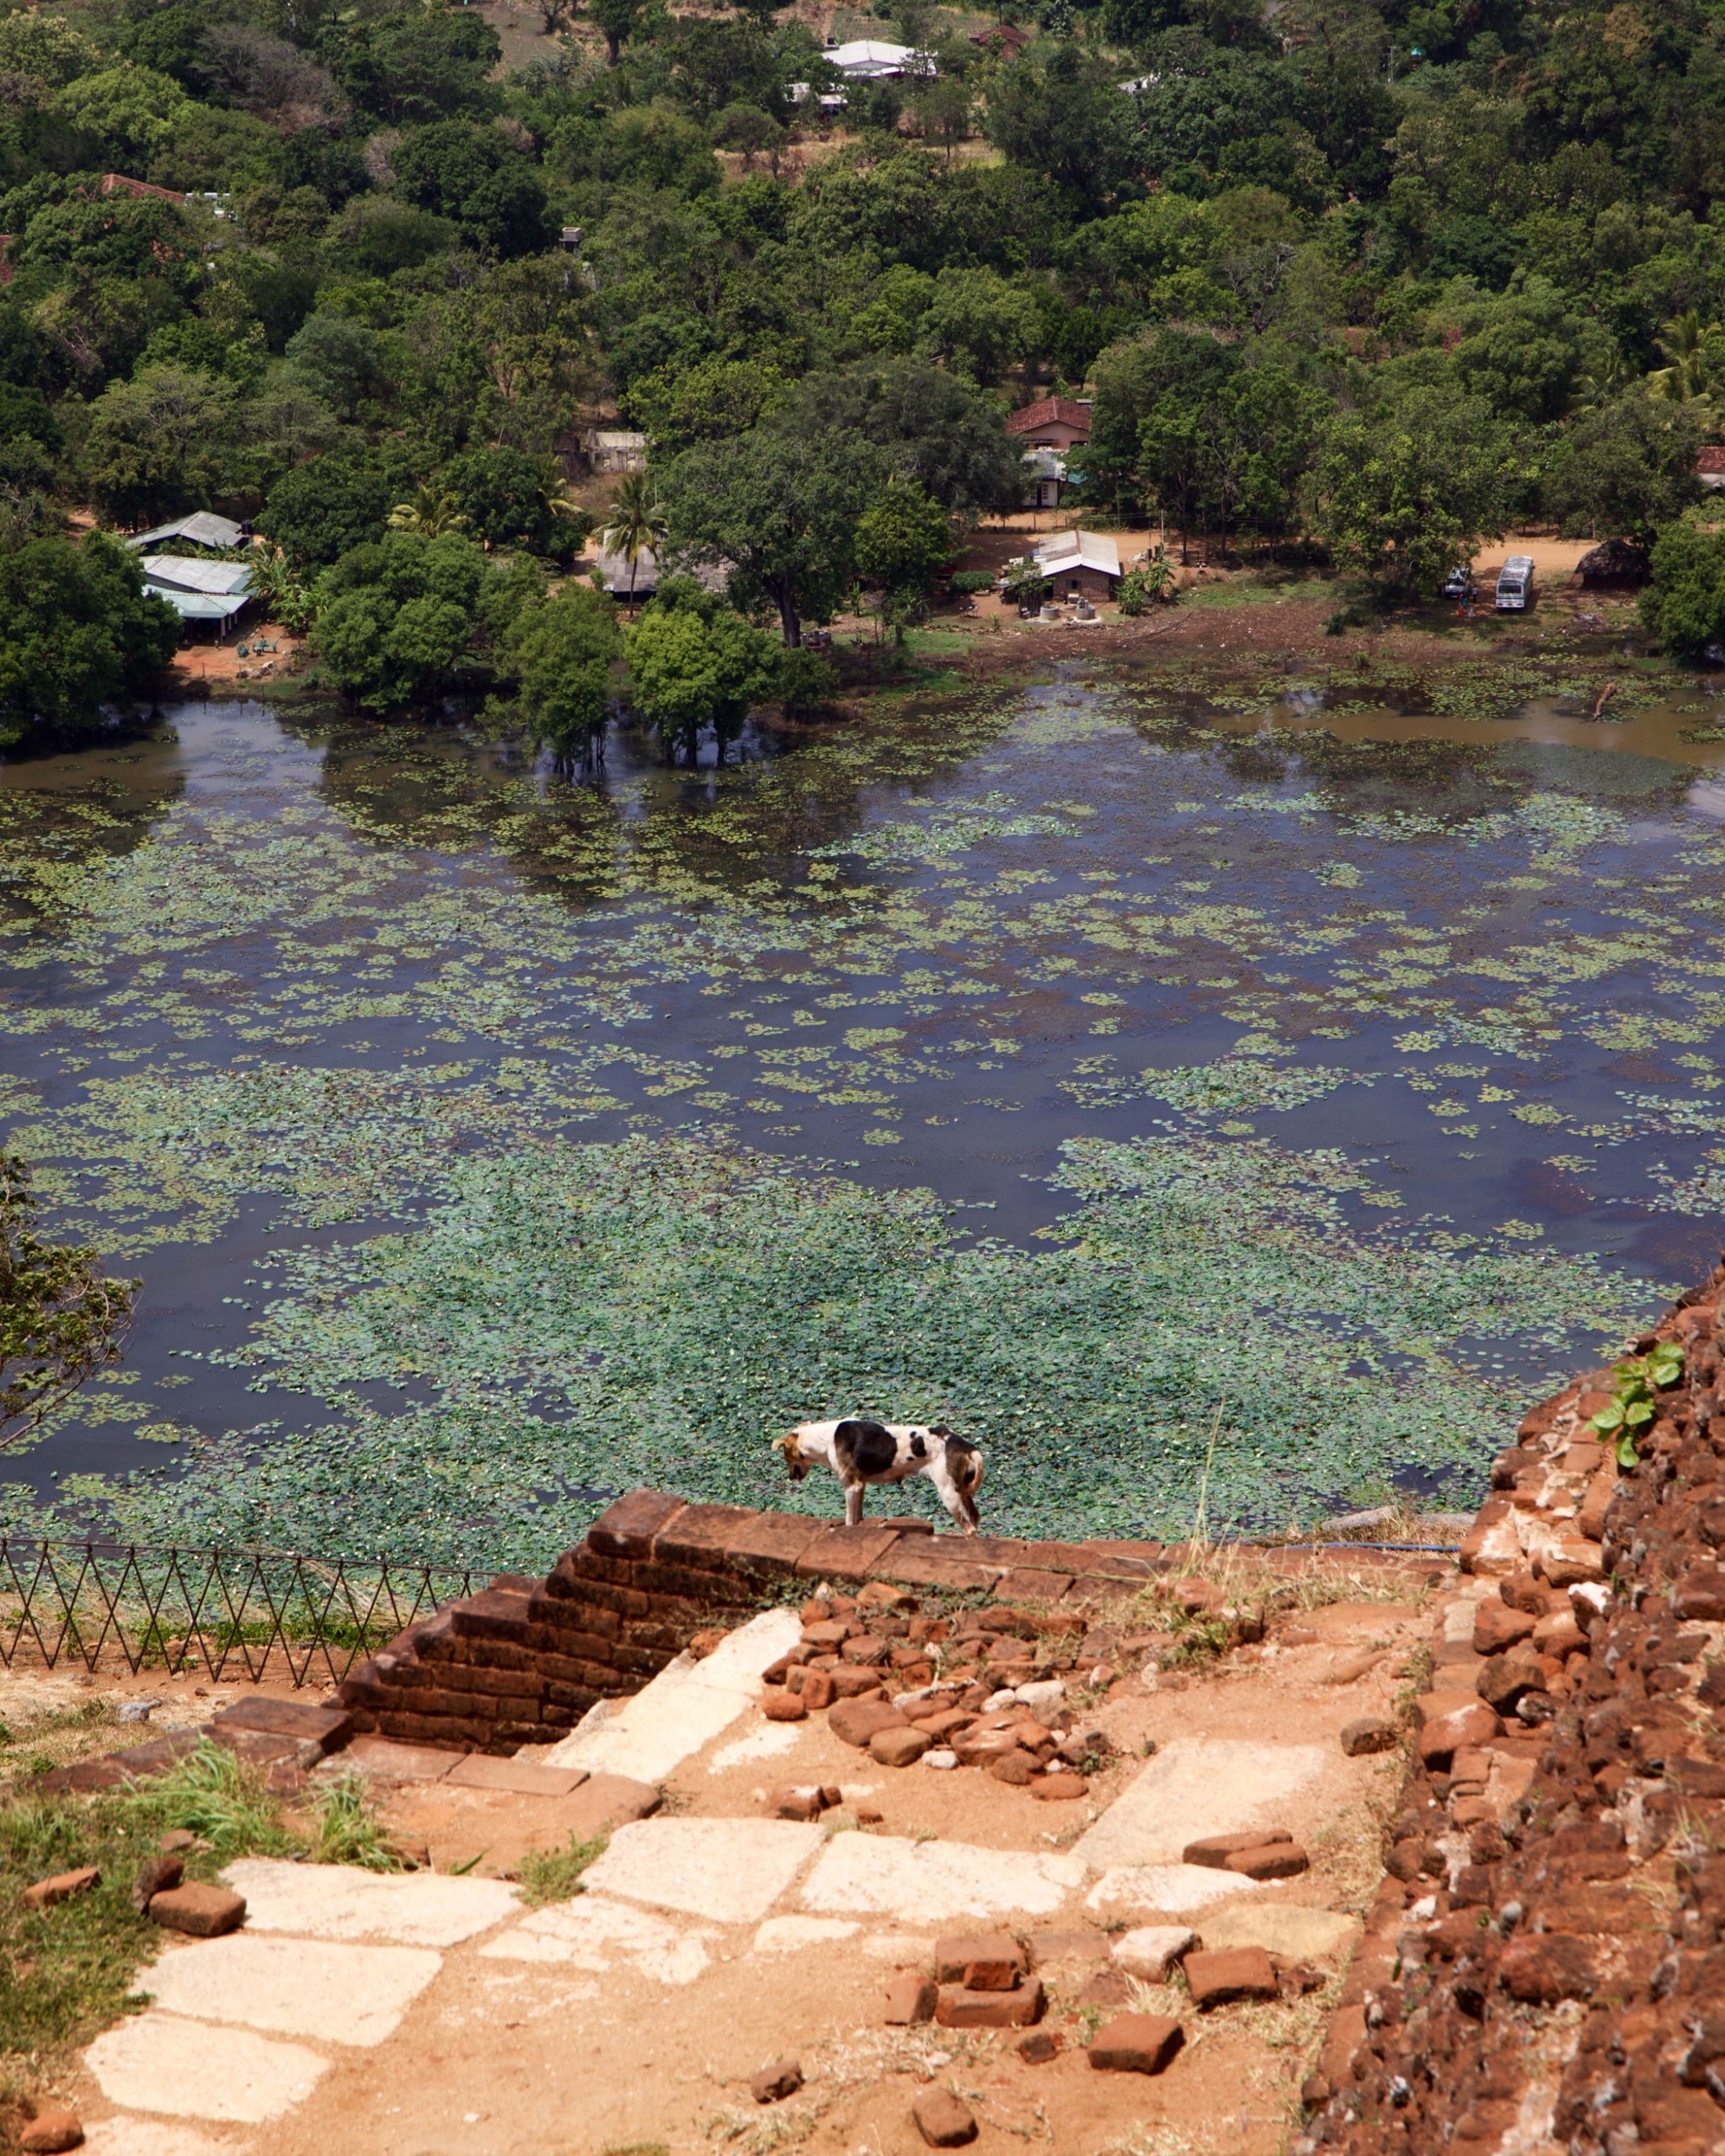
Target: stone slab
pixel 1169 1890
pixel 400 1763
pixel 122 2136
pixel 156 2063
pixel 936 1882
pixel 602 1803
pixel 1297 1934
pixel 338 1901
pixel 340 1993
pixel 788 1934
pixel 685 1707
pixel 518 1777
pixel 591 1933
pixel 1194 1787
pixel 728 1871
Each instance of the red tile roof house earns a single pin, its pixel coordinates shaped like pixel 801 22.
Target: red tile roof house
pixel 1709 467
pixel 1006 38
pixel 1047 430
pixel 1052 423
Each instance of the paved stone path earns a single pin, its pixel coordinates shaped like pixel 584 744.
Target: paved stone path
pixel 685 1707
pixel 335 1961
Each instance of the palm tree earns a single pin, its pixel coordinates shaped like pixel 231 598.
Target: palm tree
pixel 430 513
pixel 636 524
pixel 1683 342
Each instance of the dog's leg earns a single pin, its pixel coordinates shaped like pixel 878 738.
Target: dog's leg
pixel 854 1495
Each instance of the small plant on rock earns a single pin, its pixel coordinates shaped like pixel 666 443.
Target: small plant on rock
pixel 1633 1404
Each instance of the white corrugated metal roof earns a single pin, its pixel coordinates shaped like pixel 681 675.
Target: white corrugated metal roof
pixel 203 528
pixel 868 55
pixel 198 606
pixel 181 572
pixel 1071 550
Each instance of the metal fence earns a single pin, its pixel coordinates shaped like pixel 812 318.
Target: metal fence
pixel 236 1614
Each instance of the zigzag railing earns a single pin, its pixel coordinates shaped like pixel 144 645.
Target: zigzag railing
pixel 237 1614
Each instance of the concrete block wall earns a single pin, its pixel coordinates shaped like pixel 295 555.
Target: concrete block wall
pixel 521 1663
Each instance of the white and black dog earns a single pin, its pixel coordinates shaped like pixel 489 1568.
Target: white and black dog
pixel 862 1453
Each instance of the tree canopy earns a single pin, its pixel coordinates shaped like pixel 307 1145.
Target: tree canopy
pixel 1379 273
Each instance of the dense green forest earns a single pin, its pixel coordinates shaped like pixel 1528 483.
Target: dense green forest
pixel 1381 281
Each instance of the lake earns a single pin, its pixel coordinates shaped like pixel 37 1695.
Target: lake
pixel 1200 1091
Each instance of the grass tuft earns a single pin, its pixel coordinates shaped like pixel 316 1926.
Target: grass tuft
pixel 347 1830
pixel 555 1875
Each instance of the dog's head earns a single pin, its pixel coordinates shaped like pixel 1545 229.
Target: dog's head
pixel 796 1466
pixel 964 1465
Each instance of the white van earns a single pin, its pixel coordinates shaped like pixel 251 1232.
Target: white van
pixel 1515 585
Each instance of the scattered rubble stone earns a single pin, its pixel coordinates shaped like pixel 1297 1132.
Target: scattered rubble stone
pixel 176 1841
pixel 1240 1972
pixel 855 1722
pixel 910 1999
pixel 805 1801
pixel 779 1704
pixel 53 2129
pixel 1107 1988
pixel 1038 2048
pixel 1136 2043
pixel 155 1876
pixel 902 1746
pixel 960 2008
pixel 1218 1851
pixel 774 2083
pixel 1368 1733
pixel 1152 1949
pixel 944 2119
pixel 200 1911
pixel 960 1958
pixel 1274 1860
pixel 1060 1789
pixel 46 1892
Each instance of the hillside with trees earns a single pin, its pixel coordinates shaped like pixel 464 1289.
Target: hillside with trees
pixel 1383 279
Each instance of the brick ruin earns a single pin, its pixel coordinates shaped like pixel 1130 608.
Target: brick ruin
pixel 1545 1967
pixel 523 1662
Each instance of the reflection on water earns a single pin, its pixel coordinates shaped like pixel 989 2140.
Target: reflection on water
pixel 270 985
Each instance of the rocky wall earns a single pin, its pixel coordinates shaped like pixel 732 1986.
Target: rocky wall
pixel 1544 1969
pixel 523 1662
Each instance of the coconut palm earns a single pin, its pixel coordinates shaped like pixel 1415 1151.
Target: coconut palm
pixel 635 523
pixel 1686 344
pixel 430 513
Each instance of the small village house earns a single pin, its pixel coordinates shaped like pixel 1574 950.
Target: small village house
pixel 1047 430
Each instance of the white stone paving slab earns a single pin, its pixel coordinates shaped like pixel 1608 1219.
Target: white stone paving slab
pixel 786 1935
pixel 155 2063
pixel 1195 1787
pixel 591 1933
pixel 933 1883
pixel 1282 1928
pixel 121 2136
pixel 685 1707
pixel 769 1742
pixel 728 1870
pixel 1169 1890
pixel 338 1901
pixel 295 1987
